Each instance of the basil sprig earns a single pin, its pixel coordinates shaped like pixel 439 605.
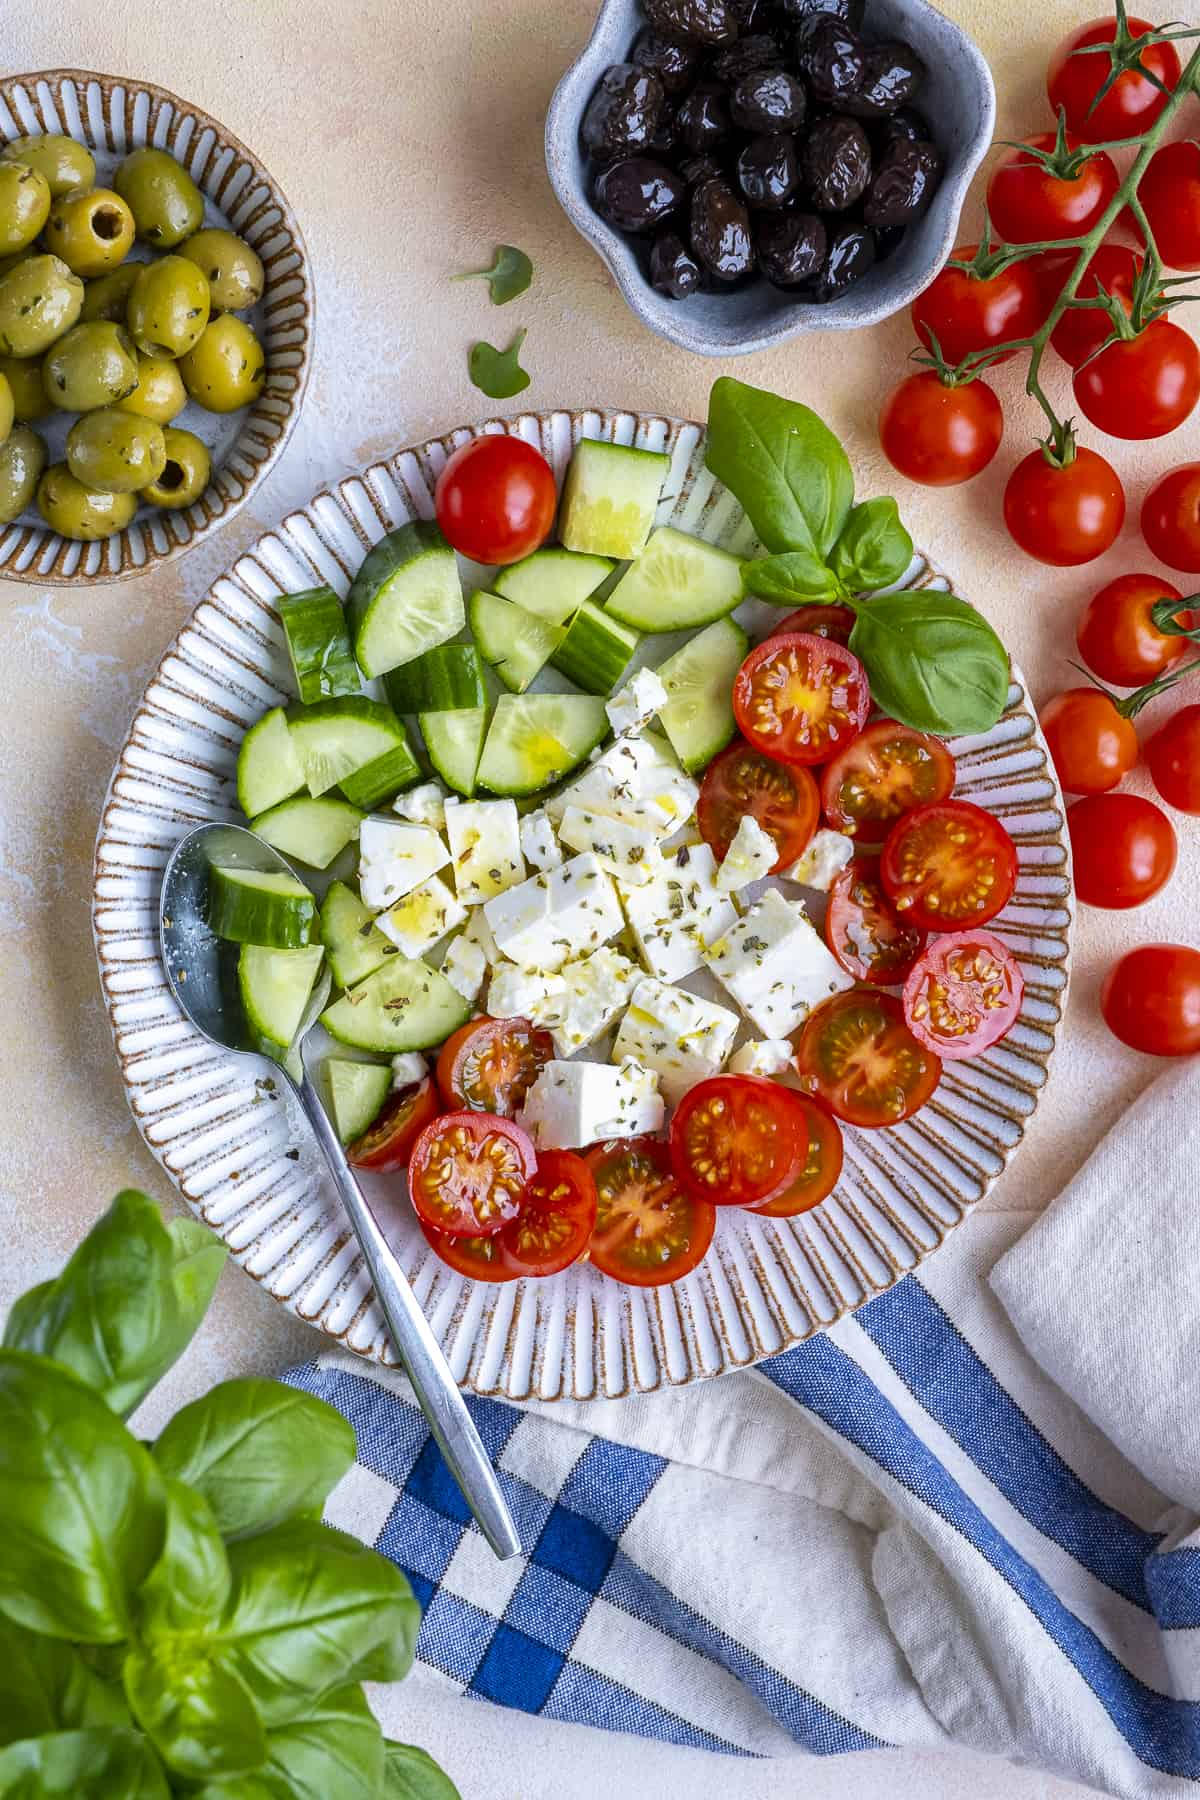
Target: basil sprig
pixel 933 662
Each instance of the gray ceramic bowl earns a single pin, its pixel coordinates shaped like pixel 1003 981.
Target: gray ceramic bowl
pixel 958 97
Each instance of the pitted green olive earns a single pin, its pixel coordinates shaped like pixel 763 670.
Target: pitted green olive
pixel 185 473
pixel 160 394
pixel 168 308
pixel 24 378
pixel 24 205
pixel 7 409
pixel 39 300
pixel 114 452
pixel 22 459
pixel 64 163
pixel 233 270
pixel 92 232
pixel 80 512
pixel 226 370
pixel 93 365
pixel 108 296
pixel 167 205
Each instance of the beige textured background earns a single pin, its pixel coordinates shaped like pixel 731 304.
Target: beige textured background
pixel 408 138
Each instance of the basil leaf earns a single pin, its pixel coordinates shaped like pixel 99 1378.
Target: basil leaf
pixel 47 1687
pixel 412 1774
pixel 783 463
pixel 511 274
pixel 874 549
pixel 791 578
pixel 81 1506
pixel 195 1709
pixel 498 373
pixel 126 1304
pixel 188 1587
pixel 934 663
pixel 259 1452
pixel 336 1749
pixel 121 1765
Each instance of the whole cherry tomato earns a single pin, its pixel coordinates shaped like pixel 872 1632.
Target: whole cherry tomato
pixel 1082 329
pixel 1171 518
pixel 966 313
pixel 1170 196
pixel 1118 638
pixel 1132 103
pixel 495 499
pixel 1142 386
pixel 1065 514
pixel 1173 759
pixel 1028 201
pixel 1151 999
pixel 1124 849
pixel 1091 745
pixel 940 433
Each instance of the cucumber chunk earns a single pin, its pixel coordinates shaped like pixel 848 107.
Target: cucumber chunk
pixel 518 644
pixel 353 942
pixel 406 598
pixel 677 582
pixel 610 497
pixel 313 831
pixel 251 906
pixel 553 583
pixel 274 986
pixel 318 642
pixel 336 738
pixel 357 1092
pixel 442 680
pixel 698 718
pixel 382 779
pixel 535 739
pixel 454 741
pixel 268 770
pixel 406 1005
pixel 595 650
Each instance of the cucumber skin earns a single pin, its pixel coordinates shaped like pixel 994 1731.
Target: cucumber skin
pixel 420 537
pixel 596 650
pixel 361 710
pixel 287 922
pixel 382 779
pixel 329 669
pixel 448 678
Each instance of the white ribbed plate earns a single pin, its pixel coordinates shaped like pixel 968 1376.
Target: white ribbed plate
pixel 227 1136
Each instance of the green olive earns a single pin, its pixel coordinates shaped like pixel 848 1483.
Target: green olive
pixel 227 368
pixel 185 473
pixel 22 459
pixel 114 452
pixel 24 205
pixel 92 232
pixel 160 394
pixel 168 308
pixel 64 163
pixel 94 365
pixel 39 300
pixel 10 262
pixel 165 201
pixel 108 296
pixel 75 511
pixel 24 377
pixel 234 271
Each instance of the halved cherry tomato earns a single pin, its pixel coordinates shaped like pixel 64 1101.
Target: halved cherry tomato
pixel 495 499
pixel 1171 518
pixel 556 1220
pixel 1151 999
pixel 799 697
pixel 388 1143
pixel 819 1176
pixel 479 1257
pixel 735 1140
pixel 948 866
pixel 489 1065
pixel 1090 744
pixel 648 1230
pixel 1027 203
pixel 1142 386
pixel 836 622
pixel 1173 759
pixel 1082 329
pixel 964 994
pixel 1118 638
pixel 940 432
pixel 857 1057
pixel 868 937
pixel 883 774
pixel 1124 849
pixel 1132 103
pixel 1170 196
pixel 1065 515
pixel 965 313
pixel 468 1173
pixel 782 797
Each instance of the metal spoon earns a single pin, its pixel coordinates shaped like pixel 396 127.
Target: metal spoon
pixel 192 960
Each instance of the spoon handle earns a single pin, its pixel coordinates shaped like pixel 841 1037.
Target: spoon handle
pixel 422 1355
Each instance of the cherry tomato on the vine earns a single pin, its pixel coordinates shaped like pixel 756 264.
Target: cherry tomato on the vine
pixel 940 433
pixel 1027 203
pixel 495 499
pixel 964 994
pixel 798 698
pixel 1171 518
pixel 1151 999
pixel 1124 849
pixel 1066 514
pixel 1091 745
pixel 966 313
pixel 1173 759
pixel 1170 197
pixel 1132 103
pixel 1082 329
pixel 1143 386
pixel 1118 638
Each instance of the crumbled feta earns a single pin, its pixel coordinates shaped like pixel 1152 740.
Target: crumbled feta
pixel 636 779
pixel 408 1068
pixel 465 966
pixel 597 987
pixel 478 931
pixel 775 965
pixel 576 1103
pixel 752 854
pixel 485 847
pixel 636 703
pixel 424 805
pixel 682 1038
pixel 394 858
pixel 762 1056
pixel 525 994
pixel 630 852
pixel 538 840
pixel 822 862
pixel 416 923
pixel 678 913
pixel 557 916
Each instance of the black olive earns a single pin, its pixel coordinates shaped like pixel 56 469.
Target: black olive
pixel 905 180
pixel 888 239
pixel 720 231
pixel 665 138
pixel 830 57
pixel 906 122
pixel 703 118
pixel 673 269
pixel 751 15
pixel 850 12
pixel 768 171
pixel 696 169
pixel 791 246
pixel 638 194
pixel 891 75
pixel 850 254
pixel 623 111
pixel 701 21
pixel 836 164
pixel 674 62
pixel 742 58
pixel 769 100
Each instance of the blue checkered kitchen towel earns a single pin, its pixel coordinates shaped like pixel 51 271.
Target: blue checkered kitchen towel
pixel 967 1515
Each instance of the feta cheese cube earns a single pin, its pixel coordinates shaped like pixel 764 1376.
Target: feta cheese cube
pixel 485 846
pixel 677 913
pixel 394 858
pixel 636 703
pixel 597 987
pixel 478 931
pixel 556 916
pixel 630 852
pixel 636 779
pixel 538 840
pixel 464 966
pixel 424 805
pixel 416 923
pixel 752 854
pixel 576 1103
pixel 762 1056
pixel 525 994
pixel 408 1068
pixel 775 966
pixel 682 1038
pixel 822 862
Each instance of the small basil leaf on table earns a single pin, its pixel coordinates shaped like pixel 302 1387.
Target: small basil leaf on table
pixel 498 373
pixel 197 1712
pixel 874 550
pixel 933 662
pixel 410 1774
pixel 783 463
pixel 510 275
pixel 188 1586
pixel 120 1764
pixel 791 578
pixel 47 1686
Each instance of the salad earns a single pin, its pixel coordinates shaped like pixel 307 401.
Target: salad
pixel 575 990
